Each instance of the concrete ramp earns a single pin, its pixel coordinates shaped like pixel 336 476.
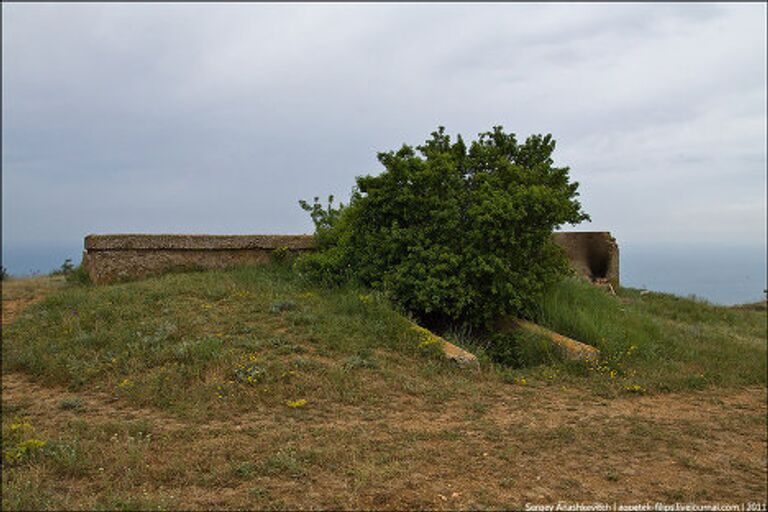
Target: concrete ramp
pixel 568 348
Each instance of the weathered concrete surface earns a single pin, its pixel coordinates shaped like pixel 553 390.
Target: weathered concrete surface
pixel 110 258
pixel 451 351
pixel 593 254
pixel 569 348
pixel 197 242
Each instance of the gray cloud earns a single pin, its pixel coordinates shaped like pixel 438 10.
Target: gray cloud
pixel 218 118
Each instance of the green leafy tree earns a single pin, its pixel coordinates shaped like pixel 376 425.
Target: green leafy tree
pixel 450 232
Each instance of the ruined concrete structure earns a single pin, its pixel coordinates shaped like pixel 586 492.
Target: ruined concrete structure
pixel 112 258
pixel 593 254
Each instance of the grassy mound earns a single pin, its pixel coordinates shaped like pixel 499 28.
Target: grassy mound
pixel 263 393
pixel 203 343
pixel 198 342
pixel 663 341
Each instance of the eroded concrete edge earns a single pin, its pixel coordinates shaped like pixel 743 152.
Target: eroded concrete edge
pixel 451 351
pixel 568 347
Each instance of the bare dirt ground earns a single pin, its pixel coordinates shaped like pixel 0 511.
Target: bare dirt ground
pixel 516 446
pixel 21 293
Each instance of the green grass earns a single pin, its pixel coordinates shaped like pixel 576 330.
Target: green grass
pixel 658 341
pixel 193 342
pixel 202 367
pixel 203 343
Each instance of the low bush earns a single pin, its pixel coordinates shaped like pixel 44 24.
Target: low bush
pixel 450 232
pixel 72 274
pixel 78 276
pixel 66 268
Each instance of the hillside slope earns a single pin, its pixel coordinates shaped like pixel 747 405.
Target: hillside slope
pixel 247 388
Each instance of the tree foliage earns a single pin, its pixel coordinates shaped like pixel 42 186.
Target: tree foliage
pixel 450 231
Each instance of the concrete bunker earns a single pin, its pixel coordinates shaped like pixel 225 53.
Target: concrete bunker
pixel 593 254
pixel 112 258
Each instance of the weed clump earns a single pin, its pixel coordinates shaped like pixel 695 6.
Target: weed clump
pixel 282 305
pixel 20 443
pixel 72 404
pixel 281 255
pixel 245 469
pixel 71 273
pixel 363 359
pixel 251 371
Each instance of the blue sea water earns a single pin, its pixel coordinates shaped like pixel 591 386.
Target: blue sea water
pixel 719 274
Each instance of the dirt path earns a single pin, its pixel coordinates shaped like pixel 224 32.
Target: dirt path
pixel 12 307
pixel 18 294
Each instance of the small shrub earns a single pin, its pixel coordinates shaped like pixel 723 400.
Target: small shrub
pixel 453 233
pixel 25 450
pixel 281 255
pixel 71 273
pixel 66 268
pixel 20 443
pixel 4 274
pixel 78 276
pixel 250 373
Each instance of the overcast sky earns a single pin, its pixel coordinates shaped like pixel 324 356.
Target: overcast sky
pixel 203 118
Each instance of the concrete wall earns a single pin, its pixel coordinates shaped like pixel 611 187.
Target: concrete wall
pixel 593 254
pixel 111 258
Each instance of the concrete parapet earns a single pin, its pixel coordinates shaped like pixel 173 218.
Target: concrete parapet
pixel 197 242
pixel 111 258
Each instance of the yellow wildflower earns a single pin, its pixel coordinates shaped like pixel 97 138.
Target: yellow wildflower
pixel 125 383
